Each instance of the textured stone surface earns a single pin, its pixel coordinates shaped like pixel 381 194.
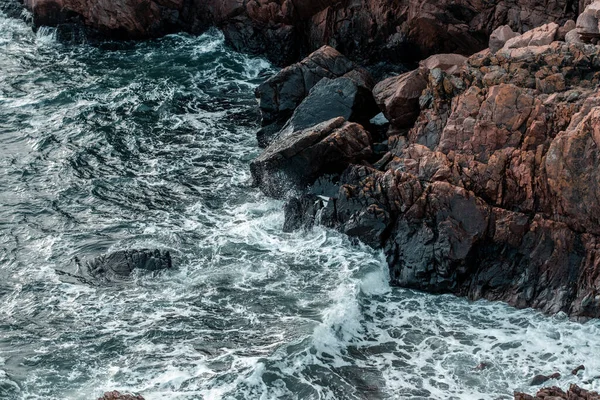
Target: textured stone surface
pixel 493 193
pixel 300 158
pixel 555 393
pixel 398 97
pixel 285 30
pixel 279 96
pixel 123 262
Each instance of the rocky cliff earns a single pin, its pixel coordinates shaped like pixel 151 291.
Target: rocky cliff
pixel 366 31
pixel 485 184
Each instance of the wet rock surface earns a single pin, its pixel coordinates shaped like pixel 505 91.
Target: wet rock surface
pixel 122 263
pixel 488 188
pixel 297 160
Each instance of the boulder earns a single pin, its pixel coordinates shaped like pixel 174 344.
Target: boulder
pixel 541 36
pixel 566 28
pixel 122 263
pixel 331 98
pixel 448 63
pixel 587 22
pixel 500 36
pixel 577 369
pixel 301 157
pixel 398 97
pixel 279 96
pixel 573 37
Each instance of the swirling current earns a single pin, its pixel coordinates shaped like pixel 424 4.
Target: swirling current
pixel 147 145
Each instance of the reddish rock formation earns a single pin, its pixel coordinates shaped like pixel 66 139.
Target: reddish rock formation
pixel 555 393
pixel 494 191
pixel 369 31
pixel 115 395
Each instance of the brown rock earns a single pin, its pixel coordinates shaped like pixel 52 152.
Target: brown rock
pixel 449 63
pixel 576 370
pixel 285 30
pixel 541 36
pixel 398 97
pixel 554 393
pixel 500 36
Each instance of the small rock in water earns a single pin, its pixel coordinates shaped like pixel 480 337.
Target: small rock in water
pixel 123 262
pixel 115 395
pixel 539 379
pixel 482 366
pixel 576 370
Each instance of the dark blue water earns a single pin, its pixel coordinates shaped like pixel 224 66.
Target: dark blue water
pixel 148 145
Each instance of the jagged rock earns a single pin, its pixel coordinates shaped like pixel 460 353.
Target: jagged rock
pixel 121 263
pixel 398 97
pixel 500 36
pixel 279 96
pixel 331 98
pixel 541 36
pixel 115 395
pixel 493 193
pixel 300 158
pixel 555 393
pixel 300 212
pixel 284 30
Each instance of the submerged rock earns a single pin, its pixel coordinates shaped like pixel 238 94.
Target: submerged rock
pixel 539 379
pixel 122 263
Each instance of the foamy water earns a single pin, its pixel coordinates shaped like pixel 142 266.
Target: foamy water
pixel 148 145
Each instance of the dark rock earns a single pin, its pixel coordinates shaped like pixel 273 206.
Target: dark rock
pixel 301 212
pixel 122 263
pixel 297 160
pixel 284 30
pixel 539 379
pixel 115 395
pixel 576 370
pixel 493 193
pixel 279 96
pixel 331 98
